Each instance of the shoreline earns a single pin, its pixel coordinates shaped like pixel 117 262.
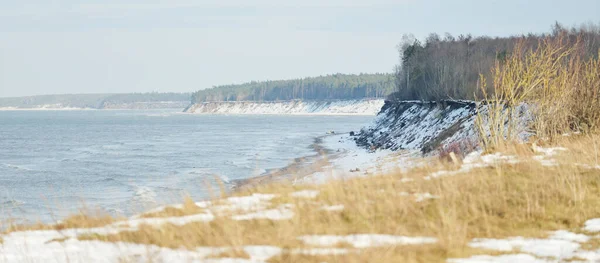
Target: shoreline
pixel 336 156
pixel 300 167
pixel 83 109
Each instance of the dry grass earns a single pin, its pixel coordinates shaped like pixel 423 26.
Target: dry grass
pixel 189 208
pixel 81 220
pixel 525 199
pixel 232 253
pixel 560 88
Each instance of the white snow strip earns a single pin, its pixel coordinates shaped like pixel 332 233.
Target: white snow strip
pixel 319 251
pixel 333 208
pixel 517 258
pixel 305 194
pixel 560 245
pixel 476 160
pixel 545 162
pixel 37 246
pixel 158 221
pixel 569 236
pixel 587 166
pixel 246 203
pixel 592 225
pixel 548 151
pixel 262 253
pixel 34 246
pixel 283 212
pixel 406 180
pixel 365 240
pixel 420 197
pixel 254 202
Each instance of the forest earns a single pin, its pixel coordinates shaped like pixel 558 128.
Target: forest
pixel 330 87
pixel 452 67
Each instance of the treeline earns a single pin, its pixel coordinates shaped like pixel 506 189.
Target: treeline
pixel 330 87
pixel 450 67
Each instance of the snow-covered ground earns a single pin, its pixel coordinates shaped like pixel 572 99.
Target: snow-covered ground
pixel 64 246
pixel 560 246
pixel 297 107
pixel 350 160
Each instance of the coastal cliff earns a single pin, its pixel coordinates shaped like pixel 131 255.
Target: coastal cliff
pixel 430 126
pixel 297 107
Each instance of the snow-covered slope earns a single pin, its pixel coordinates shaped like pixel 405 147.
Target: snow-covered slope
pixel 340 107
pixel 429 126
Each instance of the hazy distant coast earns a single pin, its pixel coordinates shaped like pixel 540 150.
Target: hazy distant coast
pixel 97 101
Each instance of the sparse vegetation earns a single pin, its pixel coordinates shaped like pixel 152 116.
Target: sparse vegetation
pixel 84 219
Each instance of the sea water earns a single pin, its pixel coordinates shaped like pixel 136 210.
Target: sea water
pixel 54 163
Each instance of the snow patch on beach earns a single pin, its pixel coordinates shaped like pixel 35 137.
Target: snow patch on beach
pixel 283 212
pixel 478 160
pixel 365 240
pixel 559 246
pixel 592 225
pixel 350 160
pixel 305 194
pixel 333 208
pixel 520 258
pixel 53 246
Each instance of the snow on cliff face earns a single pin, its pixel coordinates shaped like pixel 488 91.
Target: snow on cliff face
pixel 342 107
pixel 414 124
pixel 430 126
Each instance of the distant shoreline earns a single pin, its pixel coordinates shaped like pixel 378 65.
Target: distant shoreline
pixel 82 109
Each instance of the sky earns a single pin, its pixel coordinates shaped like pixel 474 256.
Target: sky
pixel 117 46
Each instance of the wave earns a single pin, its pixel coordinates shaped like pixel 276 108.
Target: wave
pixel 16 167
pixel 144 194
pixel 158 115
pixel 10 203
pixel 107 180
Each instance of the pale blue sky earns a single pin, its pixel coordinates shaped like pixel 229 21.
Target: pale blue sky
pixel 51 47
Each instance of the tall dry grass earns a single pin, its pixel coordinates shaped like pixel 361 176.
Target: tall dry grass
pixel 557 85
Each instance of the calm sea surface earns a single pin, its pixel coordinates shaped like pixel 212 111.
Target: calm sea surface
pixel 55 162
